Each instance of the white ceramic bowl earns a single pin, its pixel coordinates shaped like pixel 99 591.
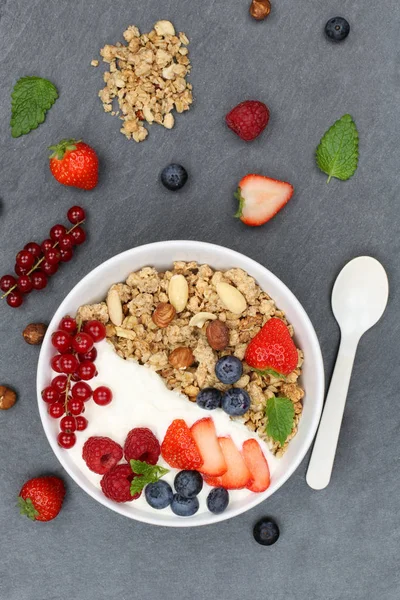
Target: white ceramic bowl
pixel 161 255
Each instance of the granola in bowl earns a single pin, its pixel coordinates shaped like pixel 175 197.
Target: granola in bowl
pixel 161 320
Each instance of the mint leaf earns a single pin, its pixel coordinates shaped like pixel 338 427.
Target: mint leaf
pixel 30 100
pixel 280 415
pixel 272 372
pixel 337 153
pixel 148 474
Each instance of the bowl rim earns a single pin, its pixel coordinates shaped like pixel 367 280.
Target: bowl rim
pixel 258 498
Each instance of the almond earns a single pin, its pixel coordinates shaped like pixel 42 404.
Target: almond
pixel 181 358
pixel 164 314
pixel 114 306
pixel 218 335
pixel 178 292
pixel 200 318
pixel 231 298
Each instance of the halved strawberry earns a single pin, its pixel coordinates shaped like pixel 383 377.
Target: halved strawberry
pixel 238 475
pixel 205 436
pixel 260 198
pixel 257 465
pixel 179 449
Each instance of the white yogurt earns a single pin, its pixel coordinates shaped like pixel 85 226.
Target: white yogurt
pixel 141 399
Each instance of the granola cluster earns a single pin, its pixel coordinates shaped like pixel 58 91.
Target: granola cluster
pixel 139 337
pixel 147 77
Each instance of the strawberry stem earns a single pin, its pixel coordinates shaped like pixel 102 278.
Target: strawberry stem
pixel 64 146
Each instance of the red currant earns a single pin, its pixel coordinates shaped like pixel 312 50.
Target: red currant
pixel 50 394
pixel 25 259
pixel 39 280
pixel 57 231
pixel 96 329
pixel 53 256
pixel 60 383
pixel 20 270
pixel 55 363
pixel 46 245
pixel 14 299
pixel 66 242
pixel 91 355
pixel 81 390
pixel 69 363
pixel 76 214
pixel 78 235
pixel 102 395
pixel 7 282
pixel 34 249
pixel 75 377
pixel 68 424
pixel 56 410
pixel 81 423
pixel 48 269
pixel 68 324
pixel 87 370
pixel 61 341
pixel 66 440
pixel 24 284
pixel 75 406
pixel 66 254
pixel 82 343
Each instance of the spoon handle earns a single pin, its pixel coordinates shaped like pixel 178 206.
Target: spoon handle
pixel 323 454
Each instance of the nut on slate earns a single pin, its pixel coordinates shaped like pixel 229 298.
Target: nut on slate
pixel 7 397
pixel 164 314
pixel 260 9
pixel 34 333
pixel 218 335
pixel 181 358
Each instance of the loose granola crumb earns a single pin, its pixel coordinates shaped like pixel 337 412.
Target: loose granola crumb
pixel 94 63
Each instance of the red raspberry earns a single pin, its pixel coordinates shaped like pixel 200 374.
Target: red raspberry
pixel 116 484
pixel 142 444
pixel 101 454
pixel 248 119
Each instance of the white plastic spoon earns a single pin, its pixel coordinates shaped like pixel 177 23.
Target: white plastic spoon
pixel 359 299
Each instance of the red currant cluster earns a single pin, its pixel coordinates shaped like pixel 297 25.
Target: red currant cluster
pixel 35 263
pixel 68 391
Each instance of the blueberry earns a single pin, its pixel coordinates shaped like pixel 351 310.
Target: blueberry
pixel 217 500
pixel 337 29
pixel 188 483
pixel 229 369
pixel 266 532
pixel 174 177
pixel 236 402
pixel 209 398
pixel 158 495
pixel 184 507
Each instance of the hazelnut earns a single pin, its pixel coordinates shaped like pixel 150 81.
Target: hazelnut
pixel 181 358
pixel 218 335
pixel 7 397
pixel 164 314
pixel 34 333
pixel 260 9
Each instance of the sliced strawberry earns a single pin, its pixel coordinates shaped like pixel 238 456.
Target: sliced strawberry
pixel 260 198
pixel 179 449
pixel 238 475
pixel 205 436
pixel 272 348
pixel 257 465
pixel 213 481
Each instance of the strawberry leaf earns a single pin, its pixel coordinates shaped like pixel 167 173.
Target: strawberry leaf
pixel 280 414
pixel 148 474
pixel 337 153
pixel 264 372
pixel 27 508
pixel 31 98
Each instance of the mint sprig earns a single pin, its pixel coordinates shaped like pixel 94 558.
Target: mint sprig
pixel 148 474
pixel 337 153
pixel 280 414
pixel 31 98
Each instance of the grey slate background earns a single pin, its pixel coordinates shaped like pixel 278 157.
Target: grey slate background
pixel 341 543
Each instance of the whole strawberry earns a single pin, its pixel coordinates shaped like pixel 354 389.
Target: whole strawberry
pixel 248 119
pixel 272 349
pixel 75 164
pixel 41 498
